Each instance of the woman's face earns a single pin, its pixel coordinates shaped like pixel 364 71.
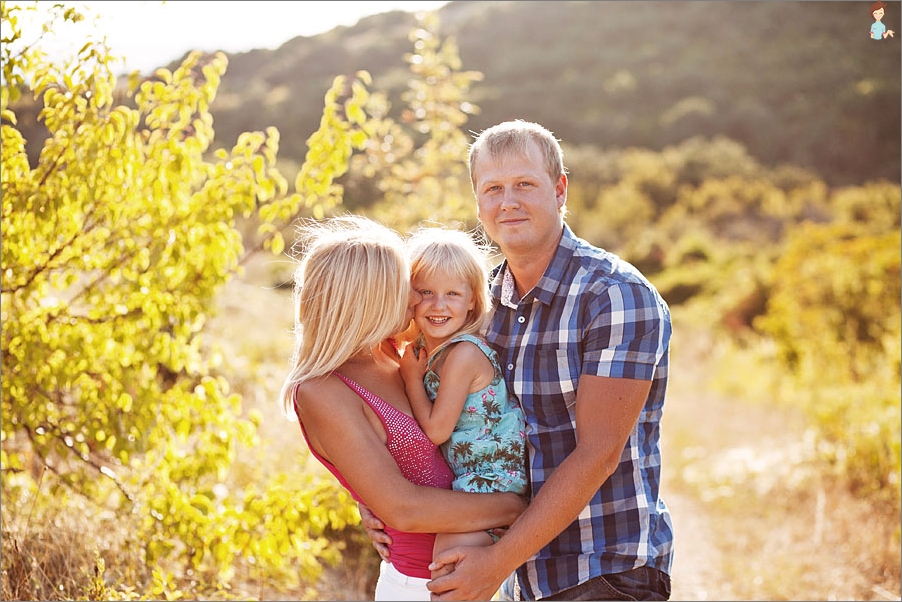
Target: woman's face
pixel 412 303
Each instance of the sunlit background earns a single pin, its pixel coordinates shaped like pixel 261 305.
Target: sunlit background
pixel 744 155
pixel 151 34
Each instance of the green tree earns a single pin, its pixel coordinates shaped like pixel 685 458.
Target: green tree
pixel 115 246
pixel 833 315
pixel 421 163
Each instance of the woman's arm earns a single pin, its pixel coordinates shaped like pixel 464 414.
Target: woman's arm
pixel 337 426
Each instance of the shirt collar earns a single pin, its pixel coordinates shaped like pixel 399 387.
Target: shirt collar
pixel 504 289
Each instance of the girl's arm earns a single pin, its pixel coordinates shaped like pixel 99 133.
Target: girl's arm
pixel 413 370
pixel 465 369
pixel 337 426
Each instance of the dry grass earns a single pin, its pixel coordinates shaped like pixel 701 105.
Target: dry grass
pixel 746 483
pixel 57 551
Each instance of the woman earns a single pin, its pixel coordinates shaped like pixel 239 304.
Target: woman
pixel 352 296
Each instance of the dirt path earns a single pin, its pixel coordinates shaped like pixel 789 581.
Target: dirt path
pixel 775 531
pixel 696 573
pixel 697 566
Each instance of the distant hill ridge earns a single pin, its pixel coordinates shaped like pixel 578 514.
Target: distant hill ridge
pixel 795 82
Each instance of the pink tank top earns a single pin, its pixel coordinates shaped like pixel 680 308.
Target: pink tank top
pixel 421 462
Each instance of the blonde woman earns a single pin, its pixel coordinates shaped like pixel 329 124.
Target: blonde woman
pixel 352 296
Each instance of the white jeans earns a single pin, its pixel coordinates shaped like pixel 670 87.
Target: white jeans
pixel 397 587
pixel 507 591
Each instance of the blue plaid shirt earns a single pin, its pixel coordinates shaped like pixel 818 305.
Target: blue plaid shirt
pixel 591 313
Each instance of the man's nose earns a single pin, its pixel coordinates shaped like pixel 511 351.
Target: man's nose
pixel 509 199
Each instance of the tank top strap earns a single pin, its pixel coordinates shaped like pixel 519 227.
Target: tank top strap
pixel 478 341
pixel 381 407
pixel 420 460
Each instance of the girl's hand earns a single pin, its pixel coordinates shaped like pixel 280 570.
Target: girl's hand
pixel 413 364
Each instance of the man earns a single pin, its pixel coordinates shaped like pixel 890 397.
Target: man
pixel 584 341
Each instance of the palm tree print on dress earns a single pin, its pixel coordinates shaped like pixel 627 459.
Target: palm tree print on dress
pixel 487 450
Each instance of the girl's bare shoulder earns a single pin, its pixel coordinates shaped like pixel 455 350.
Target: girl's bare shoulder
pixel 467 353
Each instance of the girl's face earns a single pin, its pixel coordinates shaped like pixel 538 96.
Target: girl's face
pixel 878 14
pixel 447 301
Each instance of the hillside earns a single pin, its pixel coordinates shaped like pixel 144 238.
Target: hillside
pixel 794 82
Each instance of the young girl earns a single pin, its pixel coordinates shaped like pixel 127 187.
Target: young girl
pixel 481 432
pixel 352 296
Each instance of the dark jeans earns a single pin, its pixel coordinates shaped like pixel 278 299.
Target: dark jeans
pixel 644 583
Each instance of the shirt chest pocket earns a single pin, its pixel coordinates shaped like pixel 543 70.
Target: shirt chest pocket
pixel 553 388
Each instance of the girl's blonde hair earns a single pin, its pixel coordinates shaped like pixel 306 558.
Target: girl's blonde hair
pixel 351 292
pixel 460 254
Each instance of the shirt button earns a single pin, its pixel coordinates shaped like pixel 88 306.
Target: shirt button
pixel 521 319
pixel 510 366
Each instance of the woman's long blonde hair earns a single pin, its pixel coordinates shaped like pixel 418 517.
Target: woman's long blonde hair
pixel 351 292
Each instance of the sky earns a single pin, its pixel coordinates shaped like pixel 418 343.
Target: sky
pixel 151 34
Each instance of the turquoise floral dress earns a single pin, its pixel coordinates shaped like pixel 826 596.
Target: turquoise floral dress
pixel 487 449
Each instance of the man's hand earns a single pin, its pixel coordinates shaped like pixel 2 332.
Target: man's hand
pixel 473 577
pixel 375 530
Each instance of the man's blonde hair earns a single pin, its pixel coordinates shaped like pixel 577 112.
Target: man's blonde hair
pixel 351 292
pixel 460 254
pixel 513 138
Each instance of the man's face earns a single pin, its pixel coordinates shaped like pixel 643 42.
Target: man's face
pixel 517 201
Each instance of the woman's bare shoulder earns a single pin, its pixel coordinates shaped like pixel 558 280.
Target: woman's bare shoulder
pixel 321 393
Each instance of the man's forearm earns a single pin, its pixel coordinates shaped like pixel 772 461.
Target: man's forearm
pixel 563 496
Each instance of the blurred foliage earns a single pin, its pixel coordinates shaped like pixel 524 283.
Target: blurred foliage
pixel 417 167
pixel 833 314
pixel 115 246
